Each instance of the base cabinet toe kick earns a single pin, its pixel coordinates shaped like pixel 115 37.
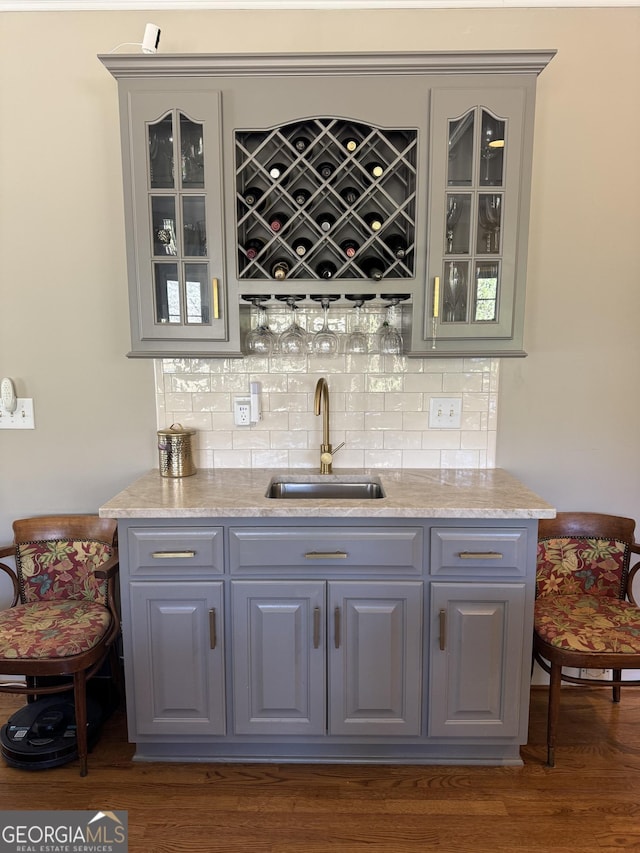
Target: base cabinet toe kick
pixel 328 640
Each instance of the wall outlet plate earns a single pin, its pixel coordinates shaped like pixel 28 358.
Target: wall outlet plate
pixel 596 674
pixel 22 418
pixel 242 411
pixel 445 413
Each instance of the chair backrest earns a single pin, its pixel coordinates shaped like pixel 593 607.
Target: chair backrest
pixel 57 554
pixel 584 553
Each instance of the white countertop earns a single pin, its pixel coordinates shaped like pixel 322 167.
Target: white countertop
pixel 413 493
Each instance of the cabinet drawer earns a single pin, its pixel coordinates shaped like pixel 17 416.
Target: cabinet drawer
pixel 174 551
pixel 465 552
pixel 366 550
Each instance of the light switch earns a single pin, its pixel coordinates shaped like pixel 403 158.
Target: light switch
pixel 445 413
pixel 22 418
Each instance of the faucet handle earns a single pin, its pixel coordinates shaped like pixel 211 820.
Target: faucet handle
pixel 336 449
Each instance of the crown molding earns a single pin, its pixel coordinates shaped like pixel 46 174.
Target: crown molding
pixel 343 5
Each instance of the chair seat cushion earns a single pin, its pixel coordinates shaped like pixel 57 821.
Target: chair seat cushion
pixel 588 623
pixel 51 629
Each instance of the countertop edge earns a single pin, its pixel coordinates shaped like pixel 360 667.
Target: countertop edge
pixel 411 493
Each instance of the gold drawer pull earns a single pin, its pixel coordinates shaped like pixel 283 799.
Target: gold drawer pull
pixel 212 628
pixel 326 555
pixel 173 555
pixel 480 555
pixel 443 629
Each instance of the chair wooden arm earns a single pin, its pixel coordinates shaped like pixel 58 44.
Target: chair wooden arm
pixel 4 552
pixel 635 549
pixel 8 551
pixel 108 569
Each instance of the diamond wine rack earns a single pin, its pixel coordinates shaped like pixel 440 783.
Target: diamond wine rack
pixel 325 198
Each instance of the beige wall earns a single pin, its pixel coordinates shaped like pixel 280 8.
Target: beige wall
pixel 568 419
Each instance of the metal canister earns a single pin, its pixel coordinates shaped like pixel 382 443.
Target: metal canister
pixel 174 448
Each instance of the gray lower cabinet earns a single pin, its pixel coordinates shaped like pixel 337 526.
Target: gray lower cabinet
pixel 327 639
pixel 343 658
pixel 476 668
pixel 178 657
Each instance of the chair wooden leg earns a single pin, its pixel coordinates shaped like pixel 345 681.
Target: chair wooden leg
pixel 553 713
pixel 80 701
pixel 617 675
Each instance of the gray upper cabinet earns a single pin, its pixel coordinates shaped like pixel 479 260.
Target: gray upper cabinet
pixel 398 175
pixel 173 179
pixel 479 192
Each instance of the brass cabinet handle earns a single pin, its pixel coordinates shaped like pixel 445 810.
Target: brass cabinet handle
pixel 442 618
pixel 336 627
pixel 316 627
pixel 480 555
pixel 173 555
pixel 326 555
pixel 212 628
pixel 216 300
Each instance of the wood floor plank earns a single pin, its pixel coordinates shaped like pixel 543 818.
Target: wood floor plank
pixel 589 803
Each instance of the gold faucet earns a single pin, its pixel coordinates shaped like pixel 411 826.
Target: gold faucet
pixel 321 403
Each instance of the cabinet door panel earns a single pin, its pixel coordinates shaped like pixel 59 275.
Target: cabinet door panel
pixel 178 669
pixel 476 658
pixel 375 658
pixel 172 159
pixel 278 657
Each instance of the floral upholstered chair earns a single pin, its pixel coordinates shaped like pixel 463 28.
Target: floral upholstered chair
pixel 585 612
pixel 63 622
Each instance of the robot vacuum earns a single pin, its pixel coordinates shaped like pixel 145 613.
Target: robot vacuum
pixel 42 734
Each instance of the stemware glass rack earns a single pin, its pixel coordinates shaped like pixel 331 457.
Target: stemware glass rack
pixel 325 198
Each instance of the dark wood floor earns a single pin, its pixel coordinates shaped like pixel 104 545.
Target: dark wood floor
pixel 590 803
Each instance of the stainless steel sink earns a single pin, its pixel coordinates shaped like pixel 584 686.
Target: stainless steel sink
pixel 326 488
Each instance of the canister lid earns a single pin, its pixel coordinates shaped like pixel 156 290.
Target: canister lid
pixel 177 429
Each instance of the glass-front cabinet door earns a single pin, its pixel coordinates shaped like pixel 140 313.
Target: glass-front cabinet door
pixel 176 215
pixel 478 217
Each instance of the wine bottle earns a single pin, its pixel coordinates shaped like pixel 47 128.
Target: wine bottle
pixel 276 171
pixel 301 143
pixel 375 169
pixel 374 221
pixel 301 246
pixel 350 144
pixel 350 195
pixel 253 248
pixel 325 221
pixel 350 248
pixel 301 196
pixel 397 244
pixel 280 269
pixel 277 221
pixel 325 170
pixel 252 196
pixel 326 269
pixel 372 267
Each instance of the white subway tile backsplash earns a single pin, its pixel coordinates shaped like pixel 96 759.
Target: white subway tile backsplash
pixel 379 407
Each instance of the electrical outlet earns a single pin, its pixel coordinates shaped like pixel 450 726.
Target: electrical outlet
pixel 242 411
pixel 445 413
pixel 596 674
pixel 22 418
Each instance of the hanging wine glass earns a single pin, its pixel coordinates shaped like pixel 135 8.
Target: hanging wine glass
pixel 357 342
pixel 389 336
pixel 325 341
pixel 293 340
pixel 261 340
